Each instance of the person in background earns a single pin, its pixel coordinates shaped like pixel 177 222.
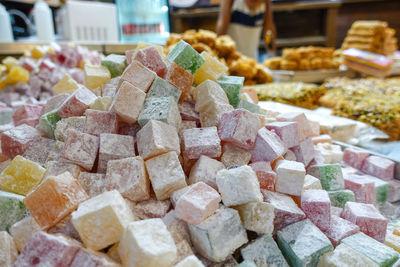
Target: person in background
pixel 244 21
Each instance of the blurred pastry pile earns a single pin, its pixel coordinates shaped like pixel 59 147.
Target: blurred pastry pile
pixel 305 58
pixel 224 48
pixel 371 35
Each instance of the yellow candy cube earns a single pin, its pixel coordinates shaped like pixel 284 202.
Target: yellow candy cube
pixel 21 176
pixel 3 69
pixel 3 82
pixel 17 74
pixel 95 76
pixel 65 85
pixel 142 45
pixel 102 103
pixel 10 62
pixel 211 69
pixel 38 52
pixel 393 241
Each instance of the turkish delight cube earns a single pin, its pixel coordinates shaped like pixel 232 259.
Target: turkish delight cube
pixel 181 79
pixel 257 216
pixel 354 158
pixel 22 230
pixel 302 123
pixel 205 170
pixel 12 209
pixel 27 114
pixel 201 141
pixel 17 140
pixel 62 126
pixel 330 175
pixel 232 86
pixel 77 103
pixel 290 177
pixel 138 75
pixel 92 183
pixel 152 59
pixel 211 69
pixel 39 150
pixel 116 64
pixel 96 75
pixel 98 122
pixel 48 123
pixel 185 56
pixel 340 229
pixel 364 189
pixel 234 156
pixel 287 131
pixel 162 88
pixel 304 151
pixel 380 167
pixel 66 85
pixel 266 176
pixel 339 198
pixel 268 146
pixel 317 206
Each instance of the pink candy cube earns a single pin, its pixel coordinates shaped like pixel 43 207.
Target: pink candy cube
pixel 151 58
pixel 266 176
pixel 17 140
pixel 138 75
pixel 304 151
pixel 188 113
pixel 364 189
pixel 27 114
pixel 302 122
pixel 368 218
pixel 380 167
pixel 98 122
pixel 340 229
pixel 180 78
pixel 86 257
pixel 317 206
pixel 201 141
pixel 77 103
pixel 239 127
pixel 288 132
pixel 81 149
pixel 198 203
pixel 268 146
pixel 354 158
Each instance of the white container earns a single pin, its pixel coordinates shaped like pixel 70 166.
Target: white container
pixel 5 28
pixel 43 21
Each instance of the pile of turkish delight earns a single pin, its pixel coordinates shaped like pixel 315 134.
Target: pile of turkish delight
pixel 142 166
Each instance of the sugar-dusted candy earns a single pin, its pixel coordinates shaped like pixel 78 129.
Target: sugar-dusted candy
pixel 54 199
pixel 198 203
pixel 157 138
pixel 330 153
pixel 138 75
pixel 87 257
pixel 129 177
pixel 303 244
pixel 62 126
pixel 92 183
pixel 257 216
pixel 340 229
pixel 95 76
pixel 377 252
pixel 368 218
pixel 48 123
pixel 317 206
pixel 304 151
pixel 98 122
pixel 393 193
pixel 323 138
pixel 17 140
pixel 205 170
pixel 21 176
pixel 176 195
pixel 151 208
pixel 286 210
pixel 330 175
pixel 66 85
pixel 238 186
pixel 186 57
pixel 162 88
pixel 239 127
pixel 354 158
pixel 54 168
pixel 310 182
pixel 39 150
pixel 102 103
pixel 219 235
pixel 268 146
pixel 393 241
pixel 114 146
pixel 8 250
pixel 81 149
pixel 234 156
pixel 364 189
pixel 211 69
pixel 336 211
pixel 22 230
pixel 109 88
pixel 100 221
pixel 115 64
pixel 152 59
pixel 264 252
pixel 54 102
pixel 12 209
pixel 44 249
pixel 77 103
pixel 163 109
pixel 166 174
pixel 201 141
pixel 180 78
pixel 302 123
pixel 232 86
pixel 6 115
pixel 27 114
pixel 287 131
pixel 206 92
pixel 290 177
pixel 147 243
pixel 339 198
pixel 254 108
pixel 128 102
pixel 188 112
pixel 380 167
pixel 266 176
pixel 381 188
pixel 190 261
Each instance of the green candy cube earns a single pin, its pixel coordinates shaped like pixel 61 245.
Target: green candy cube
pixel 232 86
pixel 163 109
pixel 12 209
pixel 340 197
pixel 381 188
pixel 330 175
pixel 162 88
pixel 186 57
pixel 47 123
pixel 264 252
pixel 6 116
pixel 116 64
pixel 302 244
pixel 254 108
pixel 379 253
